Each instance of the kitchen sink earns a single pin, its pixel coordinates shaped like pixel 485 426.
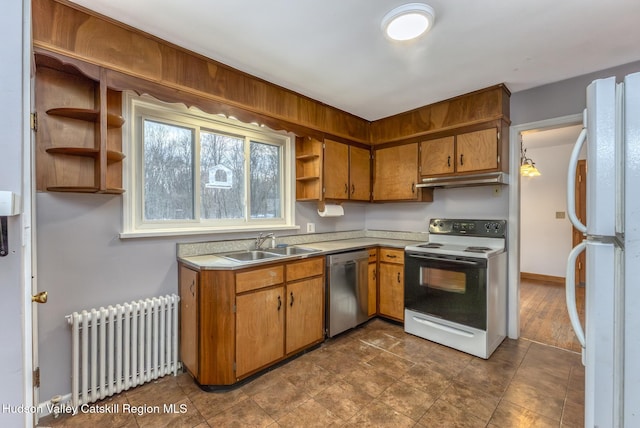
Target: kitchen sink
pixel 249 256
pixel 291 251
pixel 256 255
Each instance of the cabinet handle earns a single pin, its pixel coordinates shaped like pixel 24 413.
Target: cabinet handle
pixel 353 189
pixel 391 256
pixel 193 283
pixel 375 274
pixel 291 304
pixel 462 159
pixel 346 188
pixel 413 187
pixel 449 161
pixel 398 277
pixel 279 303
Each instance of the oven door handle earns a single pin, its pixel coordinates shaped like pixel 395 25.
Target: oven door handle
pixel 443 327
pixel 442 259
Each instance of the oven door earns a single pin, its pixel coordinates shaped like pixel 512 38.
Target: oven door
pixel 447 287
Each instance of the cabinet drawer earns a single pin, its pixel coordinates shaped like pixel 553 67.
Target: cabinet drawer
pixel 305 268
pixel 373 255
pixel 390 255
pixel 258 278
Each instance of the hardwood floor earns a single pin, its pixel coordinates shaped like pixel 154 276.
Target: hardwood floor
pixel 543 314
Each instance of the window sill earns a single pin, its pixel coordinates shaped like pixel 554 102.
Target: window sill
pixel 194 232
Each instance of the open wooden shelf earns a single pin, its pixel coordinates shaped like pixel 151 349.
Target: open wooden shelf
pixel 112 155
pixel 308 169
pixel 307 157
pixel 88 115
pixel 84 154
pixel 310 178
pixel 83 189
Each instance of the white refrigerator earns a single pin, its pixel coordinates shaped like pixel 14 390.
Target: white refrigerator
pixel 611 335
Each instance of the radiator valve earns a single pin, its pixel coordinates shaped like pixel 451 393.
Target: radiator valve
pixel 55 400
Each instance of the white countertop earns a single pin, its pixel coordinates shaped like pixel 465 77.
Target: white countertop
pixel 216 262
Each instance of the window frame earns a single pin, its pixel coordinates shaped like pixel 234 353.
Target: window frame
pixel 138 108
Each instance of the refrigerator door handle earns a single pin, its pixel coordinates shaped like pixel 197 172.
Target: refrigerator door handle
pixel 570 291
pixel 571 182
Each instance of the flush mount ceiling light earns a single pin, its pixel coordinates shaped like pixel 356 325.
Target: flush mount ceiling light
pixel 408 21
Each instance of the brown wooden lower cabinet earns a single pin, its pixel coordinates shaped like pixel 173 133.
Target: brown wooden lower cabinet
pixel 391 283
pixel 259 329
pixel 188 288
pixel 234 323
pixel 373 282
pixel 305 313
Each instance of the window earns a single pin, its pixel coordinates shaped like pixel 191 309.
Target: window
pixel 190 172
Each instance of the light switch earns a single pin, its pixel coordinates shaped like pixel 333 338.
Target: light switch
pixel 9 203
pixel 560 214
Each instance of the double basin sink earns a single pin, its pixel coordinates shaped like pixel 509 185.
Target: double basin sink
pixel 256 255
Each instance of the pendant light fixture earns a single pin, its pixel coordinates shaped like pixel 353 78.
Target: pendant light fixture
pixel 408 21
pixel 527 166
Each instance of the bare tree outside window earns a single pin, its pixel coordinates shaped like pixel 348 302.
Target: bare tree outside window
pixel 168 172
pixel 218 202
pixel 265 180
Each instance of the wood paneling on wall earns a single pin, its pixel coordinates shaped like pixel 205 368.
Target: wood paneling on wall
pixel 476 107
pixel 62 27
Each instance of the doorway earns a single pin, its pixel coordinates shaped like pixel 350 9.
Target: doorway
pixel 541 234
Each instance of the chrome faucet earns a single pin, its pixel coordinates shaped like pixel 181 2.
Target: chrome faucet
pixel 261 238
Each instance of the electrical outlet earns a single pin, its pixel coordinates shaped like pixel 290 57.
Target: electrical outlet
pixel 497 190
pixel 311 227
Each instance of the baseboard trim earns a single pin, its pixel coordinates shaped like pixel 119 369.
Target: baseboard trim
pixel 544 278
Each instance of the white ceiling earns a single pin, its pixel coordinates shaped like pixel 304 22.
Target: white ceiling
pixel 333 50
pixel 551 137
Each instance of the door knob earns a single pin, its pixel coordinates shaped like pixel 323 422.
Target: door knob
pixel 41 297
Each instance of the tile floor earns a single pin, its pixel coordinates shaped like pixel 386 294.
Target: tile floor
pixel 373 376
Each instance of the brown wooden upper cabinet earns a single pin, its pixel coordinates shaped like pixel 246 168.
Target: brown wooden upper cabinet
pixel 347 172
pixel 476 151
pixel 395 174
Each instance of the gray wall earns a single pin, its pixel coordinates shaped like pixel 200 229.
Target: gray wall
pixel 12 116
pixel 561 98
pixel 471 202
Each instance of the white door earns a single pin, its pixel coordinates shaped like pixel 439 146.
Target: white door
pixel 31 322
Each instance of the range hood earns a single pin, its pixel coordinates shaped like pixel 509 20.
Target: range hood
pixel 484 179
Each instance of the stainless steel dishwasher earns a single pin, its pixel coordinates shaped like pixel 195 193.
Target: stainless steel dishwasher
pixel 347 290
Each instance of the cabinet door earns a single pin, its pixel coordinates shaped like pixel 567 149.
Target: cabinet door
pixel 373 289
pixel 305 313
pixel 391 285
pixel 437 156
pixel 359 174
pixel 396 173
pixel 336 170
pixel 260 317
pixel 477 151
pixel 189 319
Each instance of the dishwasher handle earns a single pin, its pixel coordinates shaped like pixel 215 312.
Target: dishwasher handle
pixel 351 256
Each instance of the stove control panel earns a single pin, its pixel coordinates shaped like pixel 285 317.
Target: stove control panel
pixel 488 228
